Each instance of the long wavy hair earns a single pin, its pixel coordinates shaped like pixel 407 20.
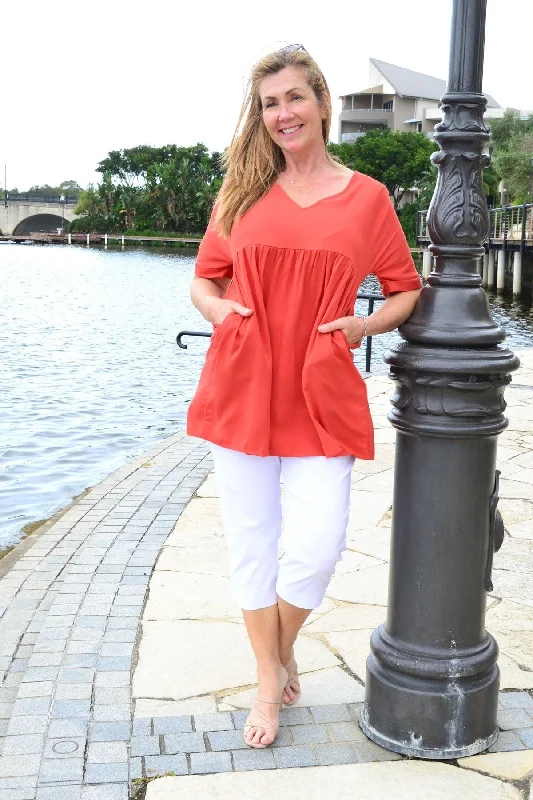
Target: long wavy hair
pixel 253 160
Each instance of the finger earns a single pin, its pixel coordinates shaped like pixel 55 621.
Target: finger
pixel 239 309
pixel 335 325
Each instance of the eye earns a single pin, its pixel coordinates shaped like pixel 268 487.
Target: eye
pixel 296 97
pixel 269 104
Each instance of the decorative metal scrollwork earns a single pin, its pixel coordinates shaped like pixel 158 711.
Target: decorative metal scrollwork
pixel 459 198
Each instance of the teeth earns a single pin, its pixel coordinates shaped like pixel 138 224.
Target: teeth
pixel 290 130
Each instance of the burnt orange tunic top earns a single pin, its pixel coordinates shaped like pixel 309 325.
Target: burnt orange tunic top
pixel 271 383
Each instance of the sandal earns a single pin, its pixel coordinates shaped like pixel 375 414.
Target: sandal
pixel 264 722
pixel 293 682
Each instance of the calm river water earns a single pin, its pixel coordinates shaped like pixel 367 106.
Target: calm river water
pixel 91 373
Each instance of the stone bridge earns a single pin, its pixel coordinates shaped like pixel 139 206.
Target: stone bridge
pixel 25 216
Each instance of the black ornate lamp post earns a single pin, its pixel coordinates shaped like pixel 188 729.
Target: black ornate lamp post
pixel 432 677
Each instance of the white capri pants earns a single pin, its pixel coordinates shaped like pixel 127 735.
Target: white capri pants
pixel 316 507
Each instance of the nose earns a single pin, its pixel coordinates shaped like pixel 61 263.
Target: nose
pixel 285 112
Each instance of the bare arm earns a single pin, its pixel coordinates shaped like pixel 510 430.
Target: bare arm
pixel 396 309
pixel 207 296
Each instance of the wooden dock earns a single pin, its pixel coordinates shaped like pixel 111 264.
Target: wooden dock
pixel 97 238
pixel 88 239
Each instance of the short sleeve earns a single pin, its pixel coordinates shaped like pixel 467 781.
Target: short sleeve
pixel 214 254
pixel 390 257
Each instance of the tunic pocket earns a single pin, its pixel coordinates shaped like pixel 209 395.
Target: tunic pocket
pixel 217 328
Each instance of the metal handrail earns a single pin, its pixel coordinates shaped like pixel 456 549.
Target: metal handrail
pixel 369 110
pixel 509 225
pixel 25 197
pixel 372 298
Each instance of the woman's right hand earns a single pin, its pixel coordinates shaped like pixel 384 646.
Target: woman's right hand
pixel 218 309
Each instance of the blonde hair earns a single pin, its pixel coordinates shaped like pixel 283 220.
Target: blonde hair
pixel 253 160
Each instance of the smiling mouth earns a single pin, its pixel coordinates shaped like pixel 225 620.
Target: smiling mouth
pixel 288 131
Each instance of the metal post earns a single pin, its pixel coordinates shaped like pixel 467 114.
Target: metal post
pixel 70 238
pixel 427 263
pixel 369 338
pixel 432 678
pixel 500 277
pixel 485 269
pixel 490 273
pixel 88 239
pixel 517 272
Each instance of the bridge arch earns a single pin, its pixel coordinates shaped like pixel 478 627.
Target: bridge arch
pixel 36 223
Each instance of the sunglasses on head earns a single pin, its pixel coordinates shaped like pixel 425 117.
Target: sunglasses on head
pixel 292 48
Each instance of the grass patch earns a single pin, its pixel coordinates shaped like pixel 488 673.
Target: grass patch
pixel 32 526
pixel 139 785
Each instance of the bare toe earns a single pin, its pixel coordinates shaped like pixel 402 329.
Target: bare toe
pixel 288 695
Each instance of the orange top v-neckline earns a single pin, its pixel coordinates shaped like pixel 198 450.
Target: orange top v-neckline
pixel 321 200
pixel 272 385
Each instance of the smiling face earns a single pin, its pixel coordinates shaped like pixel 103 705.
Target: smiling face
pixel 291 112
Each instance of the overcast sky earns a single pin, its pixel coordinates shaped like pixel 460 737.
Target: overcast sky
pixel 80 79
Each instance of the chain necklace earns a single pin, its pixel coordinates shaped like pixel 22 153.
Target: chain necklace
pixel 299 185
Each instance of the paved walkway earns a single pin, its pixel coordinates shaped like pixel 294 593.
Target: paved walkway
pixel 77 726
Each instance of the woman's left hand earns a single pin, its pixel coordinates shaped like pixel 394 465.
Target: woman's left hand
pixel 352 327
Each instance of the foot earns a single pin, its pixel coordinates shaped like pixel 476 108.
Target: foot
pixel 292 690
pixel 262 725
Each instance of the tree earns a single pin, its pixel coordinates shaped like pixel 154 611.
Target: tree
pixel 399 160
pixel 72 188
pixel 91 211
pixel 150 189
pixel 512 140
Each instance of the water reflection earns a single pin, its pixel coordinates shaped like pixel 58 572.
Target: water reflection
pixel 92 375
pixel 92 372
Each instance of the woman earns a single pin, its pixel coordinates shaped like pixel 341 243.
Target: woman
pixel 291 237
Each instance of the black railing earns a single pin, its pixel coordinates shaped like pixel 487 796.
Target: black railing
pixel 510 227
pixel 64 199
pixel 372 298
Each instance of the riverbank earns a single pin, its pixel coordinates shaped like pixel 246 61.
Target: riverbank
pixel 10 555
pixel 109 622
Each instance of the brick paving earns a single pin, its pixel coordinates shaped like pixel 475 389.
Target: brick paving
pixel 315 736
pixel 70 609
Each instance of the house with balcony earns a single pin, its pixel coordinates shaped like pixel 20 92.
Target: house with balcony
pixel 399 99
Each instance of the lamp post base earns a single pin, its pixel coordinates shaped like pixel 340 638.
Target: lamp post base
pixel 469 706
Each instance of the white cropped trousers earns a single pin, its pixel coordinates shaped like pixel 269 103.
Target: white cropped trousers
pixel 315 511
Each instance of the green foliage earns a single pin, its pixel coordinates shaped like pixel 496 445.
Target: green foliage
pixel 491 183
pixel 512 140
pixel 164 189
pixel 72 188
pixel 408 217
pixel 408 214
pixel 399 160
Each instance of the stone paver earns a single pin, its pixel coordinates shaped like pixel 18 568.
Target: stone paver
pixel 402 780
pixel 507 766
pixel 70 614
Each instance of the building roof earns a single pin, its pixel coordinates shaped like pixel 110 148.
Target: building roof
pixel 408 83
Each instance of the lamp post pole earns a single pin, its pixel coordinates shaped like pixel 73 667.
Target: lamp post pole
pixel 432 678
